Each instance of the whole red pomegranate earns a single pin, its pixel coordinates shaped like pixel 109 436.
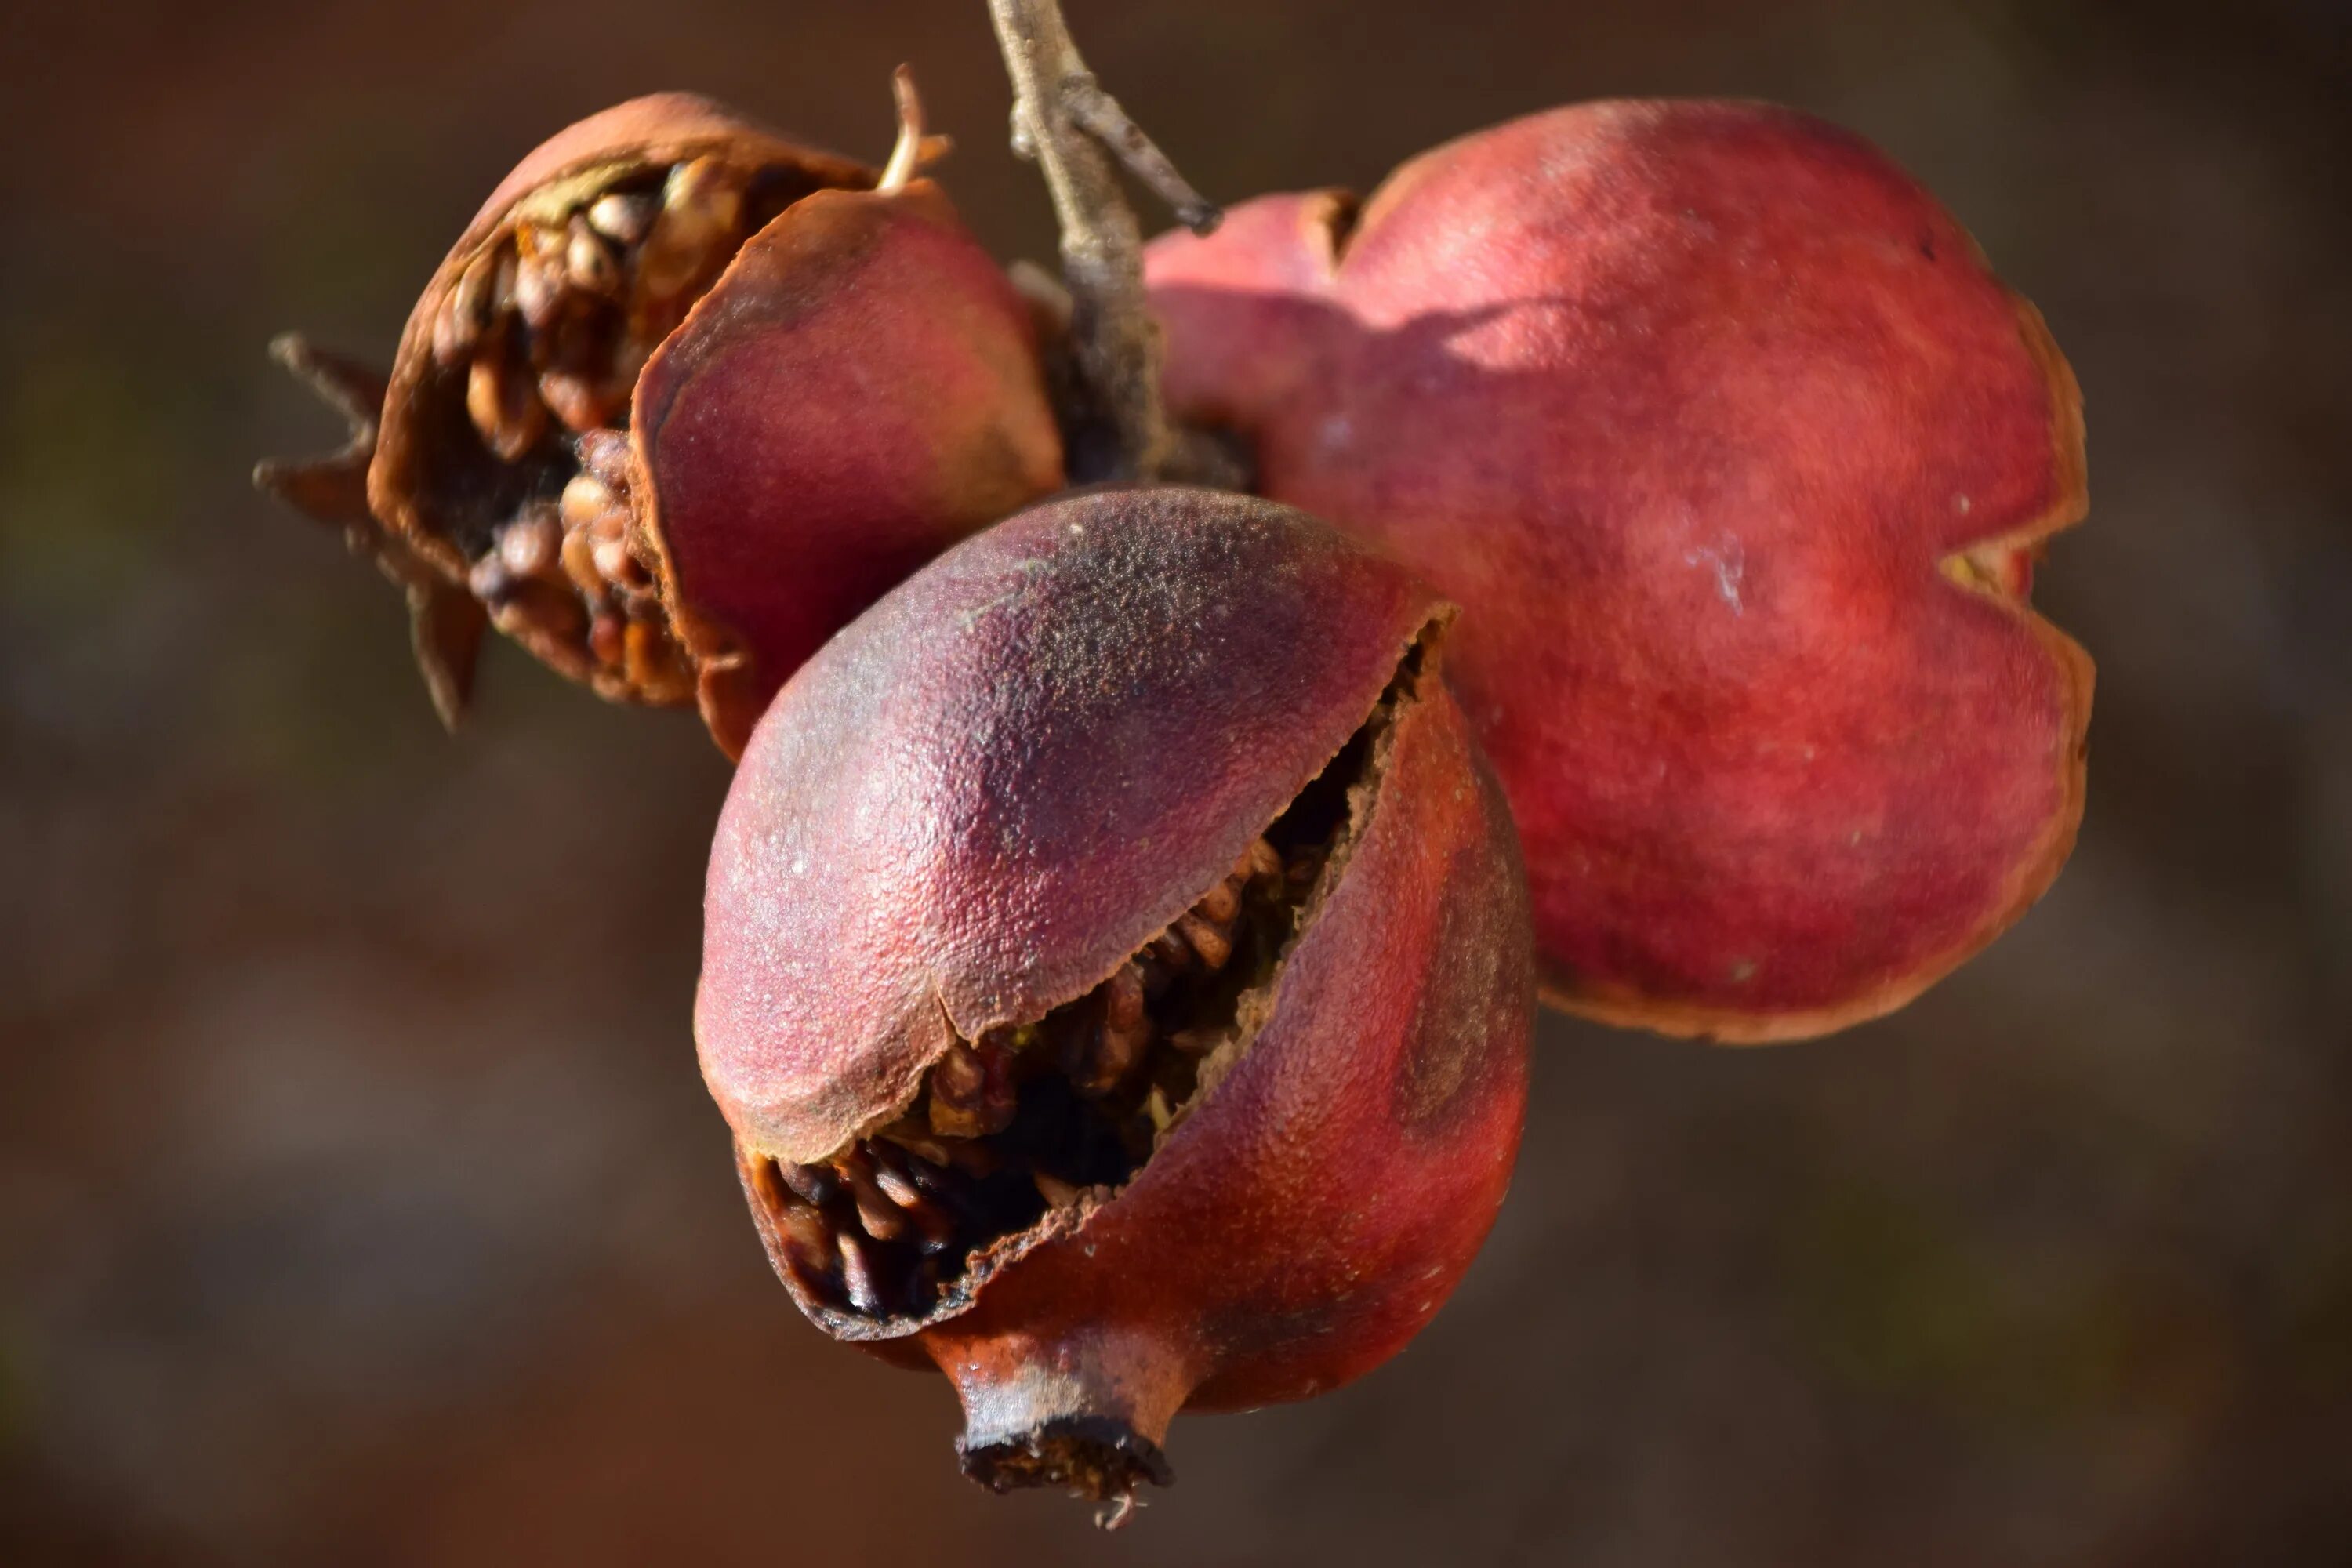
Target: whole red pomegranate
pixel 1117 974
pixel 1738 458
pixel 684 398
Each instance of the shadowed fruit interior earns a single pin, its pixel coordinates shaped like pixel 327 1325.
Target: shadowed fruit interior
pixel 1032 1119
pixel 535 350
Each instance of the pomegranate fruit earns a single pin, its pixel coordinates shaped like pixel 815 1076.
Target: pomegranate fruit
pixel 1117 974
pixel 1738 459
pixel 684 398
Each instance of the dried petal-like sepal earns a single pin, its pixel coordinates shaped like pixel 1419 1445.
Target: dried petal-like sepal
pixel 446 624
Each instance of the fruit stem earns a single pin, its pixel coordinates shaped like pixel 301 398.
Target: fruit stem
pixel 1073 132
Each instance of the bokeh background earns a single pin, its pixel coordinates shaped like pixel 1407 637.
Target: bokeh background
pixel 359 1202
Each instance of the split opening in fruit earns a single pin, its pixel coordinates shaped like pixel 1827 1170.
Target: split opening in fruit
pixel 1039 1122
pixel 2001 569
pixel 536 348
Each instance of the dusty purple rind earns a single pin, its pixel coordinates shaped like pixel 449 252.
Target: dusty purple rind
pixel 1031 757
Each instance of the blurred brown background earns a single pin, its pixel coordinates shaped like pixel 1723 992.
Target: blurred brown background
pixel 359 1203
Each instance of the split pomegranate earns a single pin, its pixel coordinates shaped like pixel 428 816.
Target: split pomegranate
pixel 684 398
pixel 1117 977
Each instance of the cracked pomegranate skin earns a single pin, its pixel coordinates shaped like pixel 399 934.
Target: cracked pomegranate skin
pixel 1323 1202
pixel 1738 458
pixel 976 802
pixel 858 387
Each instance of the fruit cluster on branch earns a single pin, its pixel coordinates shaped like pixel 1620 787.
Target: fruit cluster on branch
pixel 1604 569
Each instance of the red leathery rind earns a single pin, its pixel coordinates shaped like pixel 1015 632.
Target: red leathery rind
pixel 1735 455
pixel 871 382
pixel 659 128
pixel 1328 1191
pixel 1011 772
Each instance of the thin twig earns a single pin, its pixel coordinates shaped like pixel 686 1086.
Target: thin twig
pixel 1072 129
pixel 1098 114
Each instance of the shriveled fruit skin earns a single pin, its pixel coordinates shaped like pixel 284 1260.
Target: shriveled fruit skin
pixel 976 802
pixel 403 489
pixel 860 390
pixel 1738 458
pixel 860 386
